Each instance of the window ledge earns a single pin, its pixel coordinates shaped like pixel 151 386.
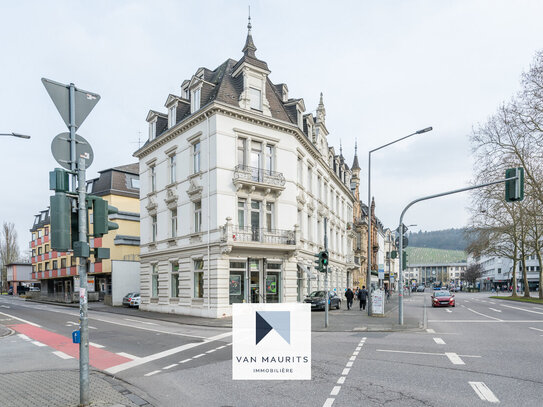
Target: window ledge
pixel 195 174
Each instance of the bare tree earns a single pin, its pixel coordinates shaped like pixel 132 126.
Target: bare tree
pixel 9 249
pixel 473 273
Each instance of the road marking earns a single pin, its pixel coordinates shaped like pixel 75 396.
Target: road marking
pixel 96 345
pixel 170 366
pixel 466 300
pixel 199 356
pixel 356 352
pixel 140 322
pixel 152 373
pixel 353 358
pixel 23 336
pixel 407 351
pixel 62 355
pixel 22 320
pixel 483 392
pixel 439 341
pixel 496 320
pixel 345 371
pixel 341 380
pixel 38 343
pixel 5 306
pixel 92 327
pixel 328 402
pixel 127 355
pixel 163 354
pixel 492 302
pixel 430 331
pixel 484 315
pixel 494 309
pixel 349 364
pixel 186 360
pixel 536 329
pixel 522 309
pixel 72 323
pixel 221 347
pixel 335 391
pixel 448 310
pixel 211 350
pixel 454 358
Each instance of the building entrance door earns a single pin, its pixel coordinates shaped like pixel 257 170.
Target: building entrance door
pixel 255 286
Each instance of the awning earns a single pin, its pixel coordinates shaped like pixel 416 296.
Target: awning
pixel 306 269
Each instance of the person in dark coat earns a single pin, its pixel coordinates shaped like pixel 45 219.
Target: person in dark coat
pixel 349 295
pixel 362 296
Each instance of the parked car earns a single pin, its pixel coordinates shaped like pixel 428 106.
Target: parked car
pixel 442 298
pixel 135 300
pixel 127 298
pixel 317 299
pixel 421 288
pixel 10 291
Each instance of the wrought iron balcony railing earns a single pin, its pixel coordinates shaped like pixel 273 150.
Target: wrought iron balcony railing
pixel 260 175
pixel 259 235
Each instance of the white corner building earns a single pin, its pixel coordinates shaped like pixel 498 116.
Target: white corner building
pixel 236 181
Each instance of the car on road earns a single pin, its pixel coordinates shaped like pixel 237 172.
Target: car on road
pixel 127 298
pixel 317 299
pixel 442 298
pixel 135 300
pixel 421 288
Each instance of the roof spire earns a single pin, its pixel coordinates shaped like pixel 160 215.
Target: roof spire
pixel 355 165
pixel 249 48
pixel 340 148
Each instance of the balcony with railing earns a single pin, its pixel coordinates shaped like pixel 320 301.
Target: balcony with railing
pixel 253 177
pixel 251 236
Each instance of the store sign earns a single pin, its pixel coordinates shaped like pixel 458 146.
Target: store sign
pixel 271 341
pixel 90 283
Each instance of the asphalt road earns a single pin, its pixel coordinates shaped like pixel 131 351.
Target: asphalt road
pixel 481 352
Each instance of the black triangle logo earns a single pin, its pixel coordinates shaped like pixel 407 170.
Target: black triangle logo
pixel 262 328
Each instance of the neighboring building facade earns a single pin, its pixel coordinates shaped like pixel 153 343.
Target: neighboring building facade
pixel 236 183
pixel 110 279
pixel 497 272
pixel 19 276
pixel 439 273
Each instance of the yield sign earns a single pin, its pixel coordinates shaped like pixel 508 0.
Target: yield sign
pixel 60 94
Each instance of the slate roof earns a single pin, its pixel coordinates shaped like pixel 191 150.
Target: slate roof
pixel 116 181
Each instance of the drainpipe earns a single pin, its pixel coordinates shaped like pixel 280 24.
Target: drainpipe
pixel 208 211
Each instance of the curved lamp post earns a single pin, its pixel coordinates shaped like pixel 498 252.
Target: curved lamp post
pixel 15 135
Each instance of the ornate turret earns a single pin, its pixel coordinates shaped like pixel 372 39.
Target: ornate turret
pixel 321 112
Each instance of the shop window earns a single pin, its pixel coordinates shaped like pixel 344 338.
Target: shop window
pixel 273 282
pixel 237 281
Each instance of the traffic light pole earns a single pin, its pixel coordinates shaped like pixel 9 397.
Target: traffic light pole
pixel 400 228
pixel 83 293
pixel 326 275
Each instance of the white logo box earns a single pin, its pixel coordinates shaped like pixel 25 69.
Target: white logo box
pixel 273 358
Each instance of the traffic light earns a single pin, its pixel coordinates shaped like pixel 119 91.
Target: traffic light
pixel 514 189
pixel 322 261
pixel 59 180
pixel 100 217
pixel 393 254
pixel 61 222
pixel 405 241
pixel 404 260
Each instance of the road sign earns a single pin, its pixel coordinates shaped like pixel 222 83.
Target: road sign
pixel 60 147
pixel 60 94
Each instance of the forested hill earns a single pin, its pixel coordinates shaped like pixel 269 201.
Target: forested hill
pixel 449 239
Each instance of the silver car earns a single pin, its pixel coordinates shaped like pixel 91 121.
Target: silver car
pixel 128 297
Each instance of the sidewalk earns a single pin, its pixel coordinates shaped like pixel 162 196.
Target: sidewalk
pixel 61 388
pixel 339 320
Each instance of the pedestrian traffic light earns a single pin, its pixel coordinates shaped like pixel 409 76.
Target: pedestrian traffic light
pixel 324 257
pixel 514 189
pixel 393 254
pixel 322 261
pixel 318 264
pixel 61 218
pixel 100 217
pixel 404 260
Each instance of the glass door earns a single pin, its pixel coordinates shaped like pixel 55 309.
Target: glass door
pixel 254 270
pixel 255 220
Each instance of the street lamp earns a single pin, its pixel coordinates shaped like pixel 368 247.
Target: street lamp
pixel 368 275
pixel 15 135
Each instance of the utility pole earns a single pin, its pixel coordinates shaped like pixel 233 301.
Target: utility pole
pixel 326 275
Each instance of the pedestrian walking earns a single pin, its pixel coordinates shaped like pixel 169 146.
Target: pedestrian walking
pixel 349 295
pixel 362 296
pixel 387 293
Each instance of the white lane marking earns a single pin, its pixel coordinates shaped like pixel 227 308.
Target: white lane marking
pixel 96 345
pixel 349 364
pixel 335 391
pixel 466 300
pixel 62 355
pixel 170 366
pixel 353 358
pixel 356 353
pixel 341 380
pixel 492 302
pixel 211 350
pixel 484 315
pixel 509 321
pixel 328 402
pixel 20 319
pixel 72 323
pixel 127 355
pixel 5 306
pixel 522 309
pixel 484 393
pixel 140 322
pixel 199 356
pixel 186 360
pixel 152 373
pixel 439 341
pixel 23 336
pixel 407 351
pixel 448 310
pixel 494 309
pixel 536 329
pixel 163 354
pixel 221 347
pixel 38 343
pixel 454 358
pixel 345 371
pixel 430 331
pixel 92 327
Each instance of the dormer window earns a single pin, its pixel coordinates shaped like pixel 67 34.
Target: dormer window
pixel 171 116
pixel 195 100
pixel 152 130
pixel 256 98
pixel 185 93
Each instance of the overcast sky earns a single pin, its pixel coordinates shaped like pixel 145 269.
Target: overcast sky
pixel 386 69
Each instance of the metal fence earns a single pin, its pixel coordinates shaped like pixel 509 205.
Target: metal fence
pixel 261 175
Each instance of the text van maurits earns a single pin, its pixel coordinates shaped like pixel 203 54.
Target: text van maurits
pixel 273 359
